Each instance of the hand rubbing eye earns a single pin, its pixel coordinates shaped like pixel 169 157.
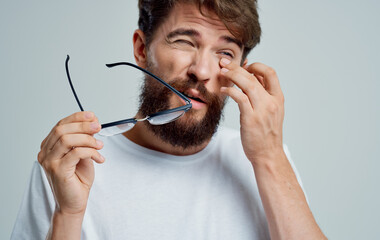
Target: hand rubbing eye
pixel 227 54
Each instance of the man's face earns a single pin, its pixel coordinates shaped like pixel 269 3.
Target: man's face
pixel 185 51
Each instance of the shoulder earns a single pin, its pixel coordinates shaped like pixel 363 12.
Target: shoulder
pixel 37 207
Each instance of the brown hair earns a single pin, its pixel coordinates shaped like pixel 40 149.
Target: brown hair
pixel 239 16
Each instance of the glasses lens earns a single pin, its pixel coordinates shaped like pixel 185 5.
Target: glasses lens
pixel 110 131
pixel 165 118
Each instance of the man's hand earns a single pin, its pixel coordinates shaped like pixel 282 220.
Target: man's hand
pixel 261 104
pixel 67 156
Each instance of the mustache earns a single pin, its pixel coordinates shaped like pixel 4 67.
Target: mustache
pixel 182 85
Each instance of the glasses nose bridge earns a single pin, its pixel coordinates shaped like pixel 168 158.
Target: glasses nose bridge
pixel 142 119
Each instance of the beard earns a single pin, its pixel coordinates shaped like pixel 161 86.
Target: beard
pixel 187 131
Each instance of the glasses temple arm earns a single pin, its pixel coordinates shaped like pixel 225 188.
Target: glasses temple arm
pixel 71 84
pixel 152 75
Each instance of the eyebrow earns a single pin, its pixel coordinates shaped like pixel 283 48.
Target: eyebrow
pixel 194 33
pixel 183 31
pixel 232 40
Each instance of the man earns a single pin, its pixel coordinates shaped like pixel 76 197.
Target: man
pixel 180 180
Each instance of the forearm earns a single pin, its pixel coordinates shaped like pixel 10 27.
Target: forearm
pixel 287 212
pixel 65 226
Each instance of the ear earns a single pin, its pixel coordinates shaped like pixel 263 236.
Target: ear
pixel 139 48
pixel 245 63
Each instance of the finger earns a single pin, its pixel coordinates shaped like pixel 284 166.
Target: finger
pixel 84 116
pixel 258 77
pixel 261 80
pixel 67 142
pixel 244 80
pixel 270 79
pixel 240 98
pixel 71 128
pixel 43 143
pixel 72 158
pixel 238 75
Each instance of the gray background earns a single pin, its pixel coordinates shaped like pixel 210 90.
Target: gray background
pixel 325 53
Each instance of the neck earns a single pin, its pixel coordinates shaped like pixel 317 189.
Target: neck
pixel 142 136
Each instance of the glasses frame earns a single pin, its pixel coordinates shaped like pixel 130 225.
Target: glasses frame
pixel 184 108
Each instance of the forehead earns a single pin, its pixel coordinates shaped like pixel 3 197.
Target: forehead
pixel 187 15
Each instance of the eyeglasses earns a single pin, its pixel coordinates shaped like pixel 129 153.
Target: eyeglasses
pixel 159 118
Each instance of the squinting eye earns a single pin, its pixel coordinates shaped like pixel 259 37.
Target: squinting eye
pixel 184 42
pixel 227 54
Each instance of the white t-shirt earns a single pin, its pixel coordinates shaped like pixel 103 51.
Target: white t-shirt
pixel 142 194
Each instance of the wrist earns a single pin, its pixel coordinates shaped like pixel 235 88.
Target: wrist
pixel 69 216
pixel 268 158
pixel 66 225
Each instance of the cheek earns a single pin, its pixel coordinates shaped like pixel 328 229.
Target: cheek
pixel 173 60
pixel 224 82
pixel 215 87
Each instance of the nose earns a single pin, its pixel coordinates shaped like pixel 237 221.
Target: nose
pixel 202 67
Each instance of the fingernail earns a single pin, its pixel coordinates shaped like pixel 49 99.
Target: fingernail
pixel 224 70
pixel 225 61
pixel 102 158
pixel 88 115
pixel 223 89
pixel 99 143
pixel 94 126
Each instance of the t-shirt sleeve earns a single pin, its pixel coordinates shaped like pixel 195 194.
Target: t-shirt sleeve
pixel 287 153
pixel 37 207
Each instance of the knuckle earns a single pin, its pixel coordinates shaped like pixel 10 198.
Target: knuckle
pixel 77 116
pixel 270 72
pixel 65 141
pixel 254 66
pixel 46 166
pixel 83 153
pixel 85 115
pixel 77 152
pixel 73 153
pixel 272 108
pixel 58 130
pixel 81 115
pixel 92 140
pixel 249 67
pixel 243 99
pixel 91 153
pixel 60 122
pixel 40 157
pixel 96 154
pixel 43 143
